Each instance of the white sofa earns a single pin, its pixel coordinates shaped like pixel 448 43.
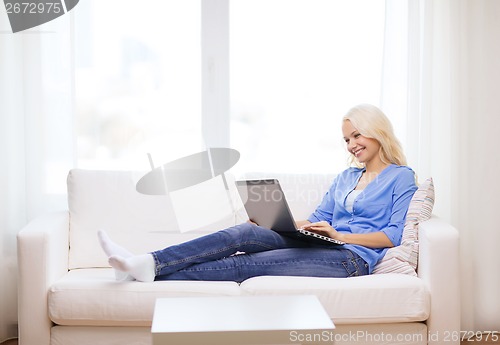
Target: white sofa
pixel 69 295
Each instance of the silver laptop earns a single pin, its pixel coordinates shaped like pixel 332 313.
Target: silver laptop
pixel 266 205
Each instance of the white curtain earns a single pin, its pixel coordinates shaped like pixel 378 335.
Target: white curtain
pixel 446 58
pixel 36 139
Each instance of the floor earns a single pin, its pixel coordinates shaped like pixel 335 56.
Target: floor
pixel 471 341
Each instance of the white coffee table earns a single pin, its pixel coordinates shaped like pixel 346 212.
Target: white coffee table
pixel 240 320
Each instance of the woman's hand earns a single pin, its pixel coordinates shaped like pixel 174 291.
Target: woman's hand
pixel 325 229
pixel 376 239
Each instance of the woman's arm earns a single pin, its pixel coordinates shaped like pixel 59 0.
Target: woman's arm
pixel 376 239
pixel 371 240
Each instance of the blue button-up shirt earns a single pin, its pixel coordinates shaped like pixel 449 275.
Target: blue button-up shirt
pixel 381 206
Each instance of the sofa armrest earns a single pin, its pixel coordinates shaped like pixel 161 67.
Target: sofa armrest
pixel 42 253
pixel 439 267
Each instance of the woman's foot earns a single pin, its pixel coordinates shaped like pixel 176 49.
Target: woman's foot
pixel 111 248
pixel 140 267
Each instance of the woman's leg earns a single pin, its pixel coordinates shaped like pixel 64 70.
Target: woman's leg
pixel 246 237
pixel 318 261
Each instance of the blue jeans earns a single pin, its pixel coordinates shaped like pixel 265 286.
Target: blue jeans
pixel 212 257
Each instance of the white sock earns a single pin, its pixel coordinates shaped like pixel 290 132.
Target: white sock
pixel 111 248
pixel 141 267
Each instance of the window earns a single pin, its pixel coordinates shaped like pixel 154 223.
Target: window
pixel 285 72
pixel 138 78
pixel 297 66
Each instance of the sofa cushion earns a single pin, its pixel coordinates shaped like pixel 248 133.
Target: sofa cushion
pixel 367 299
pixel 403 258
pixel 92 297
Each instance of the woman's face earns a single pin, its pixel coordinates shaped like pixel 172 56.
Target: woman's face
pixel 364 149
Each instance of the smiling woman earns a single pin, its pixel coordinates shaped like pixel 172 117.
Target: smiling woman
pixel 370 126
pixel 366 229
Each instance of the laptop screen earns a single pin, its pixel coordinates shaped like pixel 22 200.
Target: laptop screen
pixel 266 205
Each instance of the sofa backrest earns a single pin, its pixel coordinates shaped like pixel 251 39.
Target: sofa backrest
pixel 108 200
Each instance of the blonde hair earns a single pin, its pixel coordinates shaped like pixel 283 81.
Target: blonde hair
pixel 371 122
